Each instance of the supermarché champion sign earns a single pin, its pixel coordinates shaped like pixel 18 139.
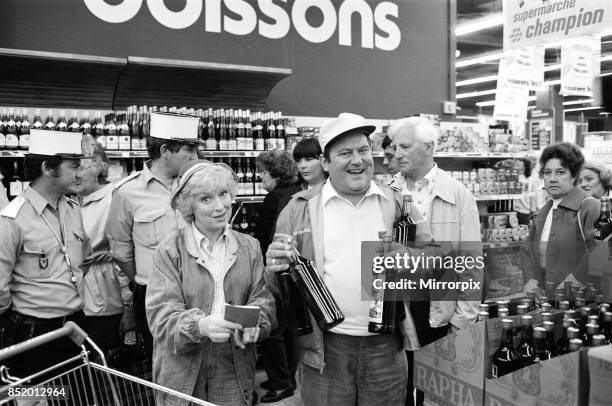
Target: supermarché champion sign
pixel 533 22
pixel 270 19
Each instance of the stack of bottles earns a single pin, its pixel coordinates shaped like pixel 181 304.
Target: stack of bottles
pixel 587 322
pixel 219 129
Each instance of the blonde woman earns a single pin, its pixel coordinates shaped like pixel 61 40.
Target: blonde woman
pixel 196 270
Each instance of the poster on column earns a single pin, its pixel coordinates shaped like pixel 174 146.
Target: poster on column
pixel 535 22
pixel 510 102
pixel 525 68
pixel 579 66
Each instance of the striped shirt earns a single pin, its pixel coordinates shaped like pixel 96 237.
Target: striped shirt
pixel 216 261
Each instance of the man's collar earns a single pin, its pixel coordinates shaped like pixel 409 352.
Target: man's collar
pixel 147 175
pixel 442 183
pixel 328 192
pixel 38 201
pixel 98 194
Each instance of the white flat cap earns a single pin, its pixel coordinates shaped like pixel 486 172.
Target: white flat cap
pixel 56 143
pixel 174 127
pixel 343 123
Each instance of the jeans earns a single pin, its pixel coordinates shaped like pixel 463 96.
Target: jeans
pixel 217 381
pixel 369 370
pixel 104 331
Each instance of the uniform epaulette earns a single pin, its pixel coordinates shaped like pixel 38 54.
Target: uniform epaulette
pixel 124 180
pixel 13 208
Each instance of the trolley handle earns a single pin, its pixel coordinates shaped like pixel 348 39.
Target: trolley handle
pixel 70 330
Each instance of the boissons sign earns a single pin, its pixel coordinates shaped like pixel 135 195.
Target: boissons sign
pixel 378 26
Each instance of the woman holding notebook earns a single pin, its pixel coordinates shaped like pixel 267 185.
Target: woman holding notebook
pixel 196 271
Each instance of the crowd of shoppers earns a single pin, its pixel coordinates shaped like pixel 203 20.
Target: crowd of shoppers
pixel 155 252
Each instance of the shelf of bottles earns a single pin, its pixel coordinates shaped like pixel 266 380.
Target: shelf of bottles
pixel 222 132
pixel 232 136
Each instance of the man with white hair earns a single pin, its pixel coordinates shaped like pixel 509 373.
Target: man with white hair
pixel 448 207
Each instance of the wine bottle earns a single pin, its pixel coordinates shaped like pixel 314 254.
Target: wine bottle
pixel 404 230
pixel 525 347
pixel 506 358
pixel 540 347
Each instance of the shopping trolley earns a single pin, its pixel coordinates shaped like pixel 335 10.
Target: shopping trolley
pixel 78 380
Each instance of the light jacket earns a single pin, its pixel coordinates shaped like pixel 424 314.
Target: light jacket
pixel 455 226
pixel 180 292
pixel 569 241
pixel 302 221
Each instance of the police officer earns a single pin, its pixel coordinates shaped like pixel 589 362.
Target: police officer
pixel 42 245
pixel 140 215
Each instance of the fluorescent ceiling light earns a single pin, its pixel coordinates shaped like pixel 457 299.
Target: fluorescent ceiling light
pixel 581 101
pixel 479 59
pixel 479 24
pixel 475 94
pixel 474 81
pixel 550 68
pixel 467 118
pixel 606 58
pixel 583 108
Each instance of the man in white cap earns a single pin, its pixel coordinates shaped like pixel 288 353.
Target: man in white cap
pixel 346 365
pixel 42 245
pixel 140 215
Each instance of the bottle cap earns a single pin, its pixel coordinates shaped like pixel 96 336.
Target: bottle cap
pixel 575 344
pixel 547 316
pixel 483 315
pixel 522 309
pixel 569 314
pixel 592 329
pixel 573 332
pixel 503 312
pixel 599 339
pixel 549 326
pixel 564 305
pixel 539 332
pixel 546 307
pixel 526 320
pixel 507 324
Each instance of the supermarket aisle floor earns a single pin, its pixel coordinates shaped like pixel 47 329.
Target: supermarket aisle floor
pixel 294 400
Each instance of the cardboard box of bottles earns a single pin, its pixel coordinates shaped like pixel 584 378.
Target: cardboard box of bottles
pixel 560 381
pixel 600 265
pixel 454 369
pixel 600 370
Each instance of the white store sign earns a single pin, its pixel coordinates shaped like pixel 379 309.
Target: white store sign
pixel 579 66
pixel 524 68
pixel 533 22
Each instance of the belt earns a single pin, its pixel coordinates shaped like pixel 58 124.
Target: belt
pixel 59 321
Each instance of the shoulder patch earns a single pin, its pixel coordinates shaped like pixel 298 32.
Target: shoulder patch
pixel 13 208
pixel 126 179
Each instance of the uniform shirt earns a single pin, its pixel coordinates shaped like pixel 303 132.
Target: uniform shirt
pixel 217 263
pixel 345 226
pixel 103 281
pixel 140 217
pixel 34 273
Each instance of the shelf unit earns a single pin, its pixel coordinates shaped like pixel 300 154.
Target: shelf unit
pixel 470 155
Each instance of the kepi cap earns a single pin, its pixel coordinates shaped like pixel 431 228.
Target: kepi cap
pixel 56 143
pixel 175 127
pixel 345 122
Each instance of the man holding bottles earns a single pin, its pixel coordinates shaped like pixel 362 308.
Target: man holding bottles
pixel 346 365
pixel 140 215
pixel 451 212
pixel 42 245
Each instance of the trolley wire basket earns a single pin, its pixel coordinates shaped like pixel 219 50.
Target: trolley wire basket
pixel 79 381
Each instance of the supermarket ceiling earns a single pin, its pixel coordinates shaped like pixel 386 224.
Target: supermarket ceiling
pixel 479 33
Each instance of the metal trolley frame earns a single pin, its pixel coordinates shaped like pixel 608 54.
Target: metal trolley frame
pixel 86 384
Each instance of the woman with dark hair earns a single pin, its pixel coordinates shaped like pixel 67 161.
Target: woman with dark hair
pixel 562 231
pixel 596 179
pixel 306 154
pixel 279 175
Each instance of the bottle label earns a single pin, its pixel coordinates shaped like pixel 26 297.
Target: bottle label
pixel 125 142
pixel 11 141
pixel 135 144
pixel 376 312
pixel 24 141
pixel 211 145
pixel 271 144
pixel 494 371
pixel 240 143
pixel 280 143
pixel 2 141
pixel 112 142
pixel 15 188
pixel 248 144
pixel 259 144
pixel 223 145
pixel 232 145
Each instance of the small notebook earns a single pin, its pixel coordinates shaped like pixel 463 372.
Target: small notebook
pixel 246 316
